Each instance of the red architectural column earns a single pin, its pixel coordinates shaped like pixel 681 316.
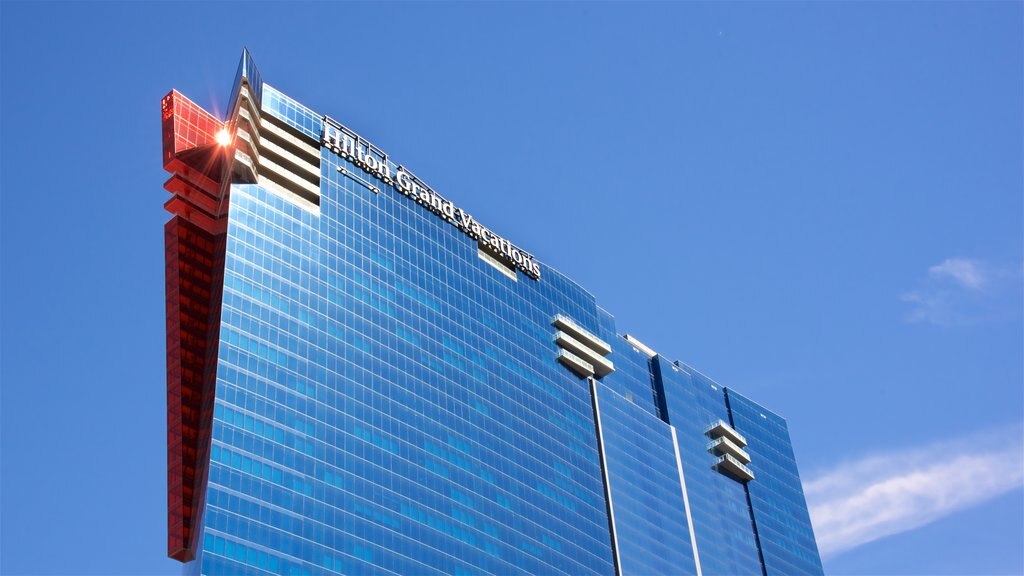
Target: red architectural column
pixel 194 257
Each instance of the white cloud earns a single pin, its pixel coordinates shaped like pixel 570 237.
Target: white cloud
pixel 967 273
pixel 932 307
pixel 885 494
pixel 961 291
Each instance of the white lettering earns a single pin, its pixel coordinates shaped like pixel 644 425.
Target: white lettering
pixel 348 145
pixel 404 182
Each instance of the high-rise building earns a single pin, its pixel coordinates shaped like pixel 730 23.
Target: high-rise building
pixel 363 378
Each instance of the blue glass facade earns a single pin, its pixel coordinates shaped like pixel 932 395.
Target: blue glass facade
pixel 393 397
pixel 651 534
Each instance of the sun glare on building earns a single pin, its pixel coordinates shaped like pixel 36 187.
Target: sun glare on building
pixel 223 137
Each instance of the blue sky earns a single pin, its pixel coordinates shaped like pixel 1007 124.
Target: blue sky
pixel 818 204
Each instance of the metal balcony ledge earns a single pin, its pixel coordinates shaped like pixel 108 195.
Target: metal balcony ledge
pixel 601 366
pixel 578 365
pixel 563 322
pixel 723 445
pixel 720 428
pixel 732 467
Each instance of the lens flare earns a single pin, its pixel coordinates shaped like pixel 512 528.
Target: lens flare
pixel 223 137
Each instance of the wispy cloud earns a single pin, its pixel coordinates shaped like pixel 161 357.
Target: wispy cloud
pixel 963 291
pixel 888 493
pixel 967 273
